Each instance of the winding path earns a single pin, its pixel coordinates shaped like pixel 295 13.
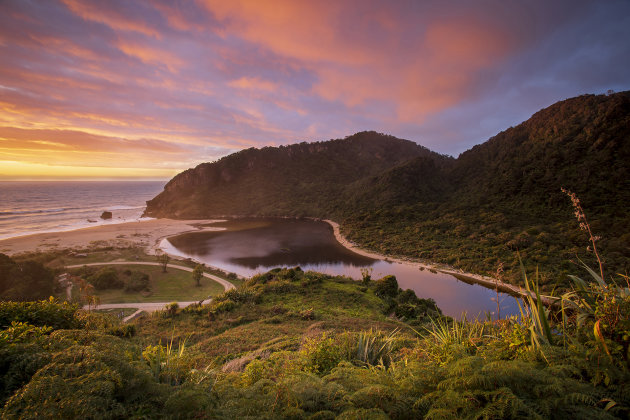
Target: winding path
pixel 151 306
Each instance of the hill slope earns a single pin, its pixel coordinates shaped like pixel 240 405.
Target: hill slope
pixel 472 212
pixel 505 195
pixel 301 179
pixel 302 345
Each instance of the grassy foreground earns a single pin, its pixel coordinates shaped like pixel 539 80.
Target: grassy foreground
pixel 294 345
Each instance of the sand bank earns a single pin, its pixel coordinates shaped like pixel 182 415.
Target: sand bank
pixel 146 234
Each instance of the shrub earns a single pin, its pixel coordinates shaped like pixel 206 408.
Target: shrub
pixel 322 354
pixel 363 413
pixel 21 331
pixel 137 282
pixel 374 348
pixel 411 307
pixel 243 295
pixel 307 314
pixel 95 377
pixel 189 403
pixel 106 278
pixel 171 309
pixel 24 280
pixel 168 364
pixel 386 287
pixel 366 275
pixel 46 312
pixel 224 306
pixel 124 331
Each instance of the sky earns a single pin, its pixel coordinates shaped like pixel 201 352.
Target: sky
pixel 146 89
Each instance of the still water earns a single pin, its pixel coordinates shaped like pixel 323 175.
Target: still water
pixel 250 246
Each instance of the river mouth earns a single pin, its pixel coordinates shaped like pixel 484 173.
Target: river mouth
pixel 255 245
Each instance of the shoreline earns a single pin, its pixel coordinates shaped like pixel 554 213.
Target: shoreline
pixel 485 281
pixel 146 234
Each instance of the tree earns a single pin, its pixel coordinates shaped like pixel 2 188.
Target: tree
pixel 366 274
pixel 86 291
pixel 163 259
pixel 197 274
pixel 25 280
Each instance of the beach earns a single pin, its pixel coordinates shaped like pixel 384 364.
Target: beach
pixel 146 234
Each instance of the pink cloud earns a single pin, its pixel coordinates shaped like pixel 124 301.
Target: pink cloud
pixel 105 13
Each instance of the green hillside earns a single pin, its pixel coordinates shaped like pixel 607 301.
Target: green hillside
pixel 473 212
pixel 303 179
pixel 295 345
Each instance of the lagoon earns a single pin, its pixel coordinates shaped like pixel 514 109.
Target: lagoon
pixel 256 245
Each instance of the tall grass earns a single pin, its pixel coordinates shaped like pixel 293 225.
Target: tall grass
pixel 374 348
pixel 168 363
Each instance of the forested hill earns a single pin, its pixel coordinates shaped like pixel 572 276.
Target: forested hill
pixel 472 212
pixel 303 179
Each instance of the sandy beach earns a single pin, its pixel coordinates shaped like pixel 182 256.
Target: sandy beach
pixel 146 234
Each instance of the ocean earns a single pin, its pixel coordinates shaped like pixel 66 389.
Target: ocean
pixel 35 207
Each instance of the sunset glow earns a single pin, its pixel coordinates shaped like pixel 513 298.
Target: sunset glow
pixel 150 88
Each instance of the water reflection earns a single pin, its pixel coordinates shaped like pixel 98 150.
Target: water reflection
pixel 250 246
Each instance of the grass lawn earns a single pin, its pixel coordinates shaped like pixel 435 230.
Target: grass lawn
pixel 174 285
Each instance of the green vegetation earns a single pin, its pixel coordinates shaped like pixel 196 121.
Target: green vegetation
pixel 297 180
pixel 25 280
pixel 290 344
pixel 105 278
pixel 197 274
pixel 472 212
pixel 139 283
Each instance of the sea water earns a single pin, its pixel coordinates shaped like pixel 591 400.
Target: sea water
pixel 28 207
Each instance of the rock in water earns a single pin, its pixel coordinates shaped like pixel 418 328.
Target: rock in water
pixel 106 215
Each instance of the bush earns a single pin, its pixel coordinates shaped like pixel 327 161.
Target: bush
pixel 137 282
pixel 189 403
pixel 386 287
pixel 410 306
pixel 171 309
pixel 124 331
pixel 224 306
pixel 106 278
pixel 243 295
pixel 25 280
pixel 21 331
pixel 43 313
pixel 322 354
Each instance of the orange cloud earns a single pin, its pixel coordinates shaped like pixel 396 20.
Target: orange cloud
pixel 305 30
pixel 253 83
pixel 420 66
pixel 99 12
pixel 151 55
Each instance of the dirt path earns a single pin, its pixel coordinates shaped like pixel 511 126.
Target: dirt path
pixel 152 306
